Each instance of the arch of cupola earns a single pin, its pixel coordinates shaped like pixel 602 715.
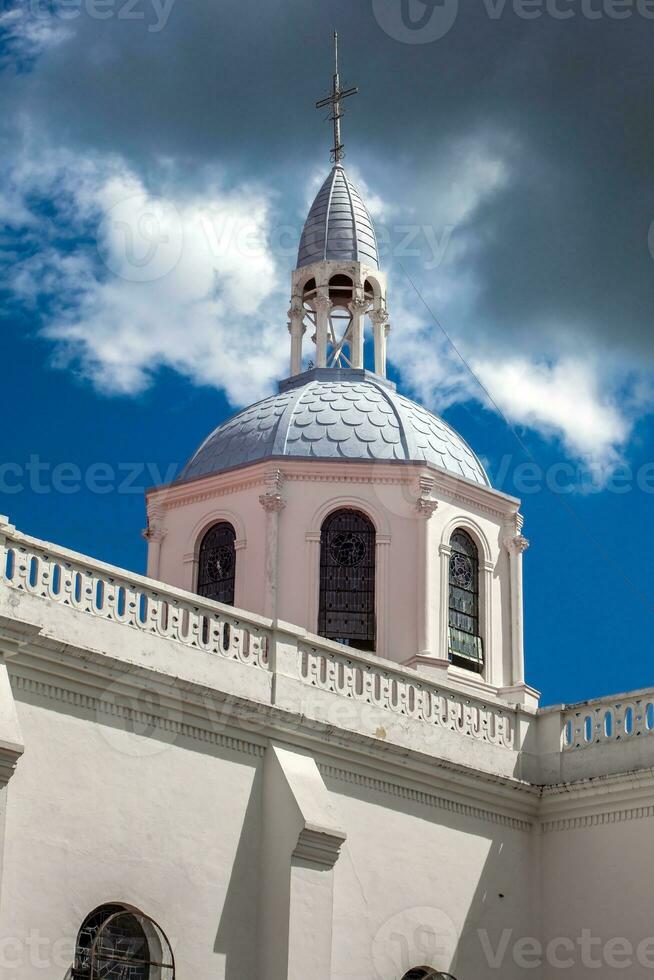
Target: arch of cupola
pixel 476 532
pixel 352 502
pixel 196 536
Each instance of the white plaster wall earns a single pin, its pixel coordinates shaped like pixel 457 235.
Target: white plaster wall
pixel 98 815
pixel 415 884
pixel 599 878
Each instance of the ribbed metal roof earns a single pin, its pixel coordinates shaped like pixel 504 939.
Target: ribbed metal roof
pixel 336 414
pixel 338 226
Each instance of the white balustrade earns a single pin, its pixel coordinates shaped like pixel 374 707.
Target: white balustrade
pixel 357 678
pixel 608 720
pixel 108 593
pixel 104 592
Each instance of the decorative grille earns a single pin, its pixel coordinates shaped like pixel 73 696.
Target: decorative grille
pixel 217 564
pixel 426 974
pixel 347 579
pixel 466 648
pixel 113 945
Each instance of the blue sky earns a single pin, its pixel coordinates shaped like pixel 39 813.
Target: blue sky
pixel 510 184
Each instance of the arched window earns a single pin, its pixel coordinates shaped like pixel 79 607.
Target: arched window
pixel 117 943
pixel 465 643
pixel 425 973
pixel 217 564
pixel 347 579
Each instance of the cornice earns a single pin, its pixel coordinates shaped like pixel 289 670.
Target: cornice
pixel 597 819
pixel 425 798
pixel 400 473
pixel 144 719
pixel 598 801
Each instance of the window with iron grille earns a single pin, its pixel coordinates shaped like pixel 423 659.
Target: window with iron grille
pixel 217 564
pixel 347 579
pixel 115 943
pixel 465 643
pixel 425 973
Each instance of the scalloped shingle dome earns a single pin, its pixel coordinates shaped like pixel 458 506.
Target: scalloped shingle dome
pixel 332 414
pixel 338 226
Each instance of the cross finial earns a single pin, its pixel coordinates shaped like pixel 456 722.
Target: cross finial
pixel 334 101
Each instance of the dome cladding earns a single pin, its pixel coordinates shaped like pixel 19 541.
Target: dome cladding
pixel 336 415
pixel 339 226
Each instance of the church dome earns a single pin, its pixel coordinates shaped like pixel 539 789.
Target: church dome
pixel 336 415
pixel 339 226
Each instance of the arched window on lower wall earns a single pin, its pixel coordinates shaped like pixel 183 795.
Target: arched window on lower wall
pixel 425 973
pixel 347 579
pixel 217 564
pixel 466 648
pixel 119 943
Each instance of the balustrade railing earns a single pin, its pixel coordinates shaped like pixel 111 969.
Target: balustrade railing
pixel 608 720
pixel 102 591
pixel 108 593
pixel 395 690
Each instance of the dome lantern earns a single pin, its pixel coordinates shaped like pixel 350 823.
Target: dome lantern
pixel 337 282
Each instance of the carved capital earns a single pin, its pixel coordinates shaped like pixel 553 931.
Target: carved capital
pixel 426 506
pixel 518 545
pixel 379 318
pixel 358 307
pixel 272 503
pixel 154 532
pixel 322 303
pixel 271 500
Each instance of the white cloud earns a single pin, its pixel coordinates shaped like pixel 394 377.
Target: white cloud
pixel 133 281
pixel 170 281
pixel 569 399
pixel 28 29
pixel 588 405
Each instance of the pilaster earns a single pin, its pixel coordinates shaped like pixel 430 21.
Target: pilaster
pixel 301 842
pixel 426 507
pixel 273 504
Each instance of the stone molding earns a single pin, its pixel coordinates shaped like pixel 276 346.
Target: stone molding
pixel 318 847
pixel 596 819
pixel 78 699
pixel 449 488
pixel 425 798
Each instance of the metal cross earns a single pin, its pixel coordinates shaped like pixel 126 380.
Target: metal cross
pixel 334 101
